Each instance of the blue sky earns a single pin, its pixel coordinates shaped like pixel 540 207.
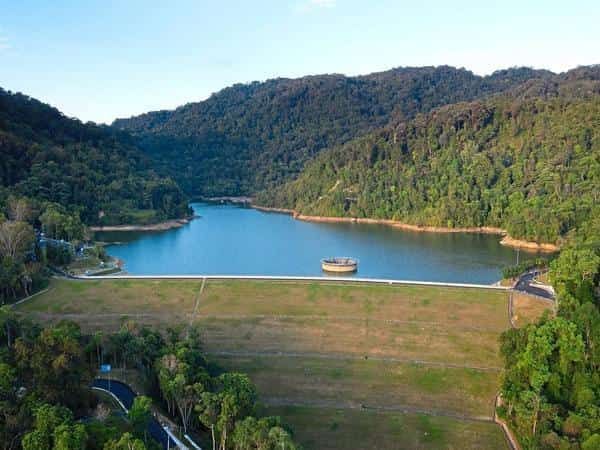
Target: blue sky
pixel 98 60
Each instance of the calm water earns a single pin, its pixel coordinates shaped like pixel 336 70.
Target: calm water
pixel 231 240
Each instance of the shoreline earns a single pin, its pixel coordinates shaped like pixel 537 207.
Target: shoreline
pixel 161 226
pixel 506 240
pixel 509 241
pixel 242 200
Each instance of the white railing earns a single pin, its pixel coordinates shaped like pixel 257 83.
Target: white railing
pixel 292 278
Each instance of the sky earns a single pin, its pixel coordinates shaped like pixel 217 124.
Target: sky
pixel 99 60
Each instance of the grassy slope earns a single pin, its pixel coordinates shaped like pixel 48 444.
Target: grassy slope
pixel 333 429
pixel 304 345
pixel 527 309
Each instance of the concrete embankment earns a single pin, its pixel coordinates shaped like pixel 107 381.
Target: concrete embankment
pixel 506 239
pixel 292 278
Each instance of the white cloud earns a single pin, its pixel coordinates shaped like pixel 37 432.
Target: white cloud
pixel 311 5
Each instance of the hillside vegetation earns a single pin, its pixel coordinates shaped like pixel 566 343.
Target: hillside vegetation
pixel 527 161
pixel 90 171
pixel 252 136
pixel 46 402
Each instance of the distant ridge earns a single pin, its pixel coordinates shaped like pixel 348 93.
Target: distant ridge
pixel 526 160
pixel 248 137
pixel 95 172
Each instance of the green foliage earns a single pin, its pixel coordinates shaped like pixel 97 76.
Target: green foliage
pixel 97 175
pixel 58 255
pixel 575 277
pixel 20 272
pixel 55 430
pixel 55 366
pixel 58 224
pixel 125 442
pixel 265 433
pixel 551 385
pixel 517 269
pixel 45 376
pixel 241 389
pixel 140 414
pixel 527 161
pixel 252 136
pixel 591 443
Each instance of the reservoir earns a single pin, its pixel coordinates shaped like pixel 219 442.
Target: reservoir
pixel 234 240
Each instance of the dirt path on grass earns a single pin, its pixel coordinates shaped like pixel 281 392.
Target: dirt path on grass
pixel 511 312
pixel 340 357
pixel 197 302
pixel 319 403
pixel 194 315
pixel 277 317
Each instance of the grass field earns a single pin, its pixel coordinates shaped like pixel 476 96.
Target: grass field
pixel 527 309
pixel 333 429
pixel 384 366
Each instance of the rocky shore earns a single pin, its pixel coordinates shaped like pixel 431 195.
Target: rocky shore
pixel 506 239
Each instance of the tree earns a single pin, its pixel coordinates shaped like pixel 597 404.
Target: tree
pixel 246 434
pixel 186 397
pixel 55 361
pixel 209 410
pixel 58 224
pixel 96 346
pixel 551 384
pixel 587 318
pixel 573 274
pixel 51 426
pixel 591 443
pixel 140 414
pixel 8 378
pixel 280 439
pixel 19 209
pixel 181 385
pixel 15 239
pixel 126 442
pixel 229 413
pixel 8 322
pixel 167 368
pixel 241 389
pixel 266 433
pixel 70 437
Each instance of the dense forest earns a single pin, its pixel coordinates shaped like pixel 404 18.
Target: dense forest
pixel 527 161
pixel 252 136
pixel 93 172
pixel 551 386
pixel 46 402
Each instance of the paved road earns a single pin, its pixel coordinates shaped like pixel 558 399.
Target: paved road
pixel 525 284
pixel 126 395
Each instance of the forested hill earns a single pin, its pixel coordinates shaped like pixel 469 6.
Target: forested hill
pixel 251 136
pixel 89 170
pixel 527 161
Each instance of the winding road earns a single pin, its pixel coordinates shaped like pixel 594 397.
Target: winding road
pixel 126 396
pixel 526 284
